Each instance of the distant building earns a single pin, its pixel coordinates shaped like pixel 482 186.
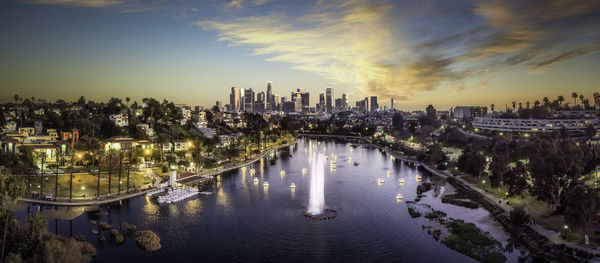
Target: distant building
pixel 392 104
pixel 321 105
pixel 120 120
pixel 533 125
pixel 328 99
pixel 464 112
pixel 248 99
pixel 270 100
pixel 374 105
pixel 234 99
pixel 305 101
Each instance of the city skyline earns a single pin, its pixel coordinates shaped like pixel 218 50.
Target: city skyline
pixel 472 53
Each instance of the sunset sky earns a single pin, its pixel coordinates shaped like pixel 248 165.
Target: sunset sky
pixel 444 53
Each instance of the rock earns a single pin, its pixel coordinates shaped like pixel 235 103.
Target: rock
pixel 128 227
pixel 105 226
pixel 148 240
pixel 117 236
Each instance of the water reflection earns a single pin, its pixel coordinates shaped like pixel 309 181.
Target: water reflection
pixel 193 207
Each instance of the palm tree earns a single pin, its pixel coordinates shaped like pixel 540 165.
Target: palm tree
pixel 71 178
pixel 527 103
pixel 13 187
pixel 127 99
pixel 98 185
pixel 546 101
pixel 536 103
pixel 56 177
pixel 37 226
pixel 574 96
pixel 596 96
pixel 492 107
pixel 514 105
pixel 110 154
pixel 120 165
pixel 581 97
pixel 42 155
pixel 128 169
pixel 520 106
pixel 560 99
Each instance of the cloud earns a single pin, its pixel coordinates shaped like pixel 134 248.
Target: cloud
pixel 352 45
pixel 238 4
pixel 86 3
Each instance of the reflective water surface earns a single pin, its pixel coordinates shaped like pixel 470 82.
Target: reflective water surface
pixel 245 221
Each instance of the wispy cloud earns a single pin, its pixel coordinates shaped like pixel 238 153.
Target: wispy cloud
pixel 87 3
pixel 351 45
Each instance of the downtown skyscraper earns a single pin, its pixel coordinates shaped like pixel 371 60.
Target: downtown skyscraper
pixel 328 100
pixel 235 99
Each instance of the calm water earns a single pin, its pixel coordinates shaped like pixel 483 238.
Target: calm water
pixel 243 222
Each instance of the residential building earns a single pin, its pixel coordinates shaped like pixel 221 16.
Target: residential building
pixel 120 120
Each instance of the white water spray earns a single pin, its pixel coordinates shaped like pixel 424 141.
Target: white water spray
pixel 317 185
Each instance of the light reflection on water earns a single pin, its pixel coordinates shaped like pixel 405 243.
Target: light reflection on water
pixel 242 223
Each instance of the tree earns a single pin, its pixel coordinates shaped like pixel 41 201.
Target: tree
pixel 574 96
pixel 560 99
pixel 37 227
pixel 516 180
pixel 492 107
pixel 514 105
pixel 471 162
pixel 590 131
pixel 497 170
pixel 581 206
pixel 397 121
pixel 11 188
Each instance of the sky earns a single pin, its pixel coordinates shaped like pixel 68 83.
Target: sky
pixel 445 53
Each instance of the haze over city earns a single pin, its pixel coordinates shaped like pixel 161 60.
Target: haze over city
pixel 425 52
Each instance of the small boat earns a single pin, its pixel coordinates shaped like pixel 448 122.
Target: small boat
pixel 255 180
pixel 292 185
pixel 418 177
pixel 326 157
pixel 355 163
pixel 266 184
pixel 282 173
pixel 401 181
pixel 399 196
pixel 390 172
pixel 303 171
pixel 252 171
pixel 380 181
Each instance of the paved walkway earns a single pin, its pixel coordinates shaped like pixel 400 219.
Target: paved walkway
pixel 114 198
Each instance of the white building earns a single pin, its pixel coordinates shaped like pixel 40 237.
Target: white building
pixel 146 128
pixel 533 125
pixel 121 120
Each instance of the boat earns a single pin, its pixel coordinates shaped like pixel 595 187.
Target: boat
pixel 252 171
pixel 292 185
pixel 176 195
pixel 380 181
pixel 401 181
pixel 282 173
pixel 255 180
pixel 390 172
pixel 418 177
pixel 355 163
pixel 304 171
pixel 266 184
pixel 399 196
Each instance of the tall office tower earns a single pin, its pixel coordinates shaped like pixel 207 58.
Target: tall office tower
pixel 328 99
pixel 339 104
pixel 392 104
pixel 269 100
pixel 345 100
pixel 276 102
pixel 260 103
pixel 322 101
pixel 305 101
pixel 248 99
pixel 234 98
pixel 374 105
pixel 219 105
pixel 367 104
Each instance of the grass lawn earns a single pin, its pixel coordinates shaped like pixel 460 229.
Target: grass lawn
pixel 87 183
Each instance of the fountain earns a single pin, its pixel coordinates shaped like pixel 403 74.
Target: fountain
pixel 317 186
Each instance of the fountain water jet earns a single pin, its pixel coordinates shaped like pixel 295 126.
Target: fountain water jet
pixel 317 185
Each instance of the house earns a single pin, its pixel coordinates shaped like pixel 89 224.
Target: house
pixel 120 120
pixel 146 128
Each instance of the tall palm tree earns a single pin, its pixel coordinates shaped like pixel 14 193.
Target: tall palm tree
pixel 527 103
pixel 56 177
pixel 13 187
pixel 128 169
pixel 98 185
pixel 546 101
pixel 560 99
pixel 492 107
pixel 43 156
pixel 536 103
pixel 581 97
pixel 71 177
pixel 520 105
pixel 120 165
pixel 514 105
pixel 574 96
pixel 596 97
pixel 110 154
